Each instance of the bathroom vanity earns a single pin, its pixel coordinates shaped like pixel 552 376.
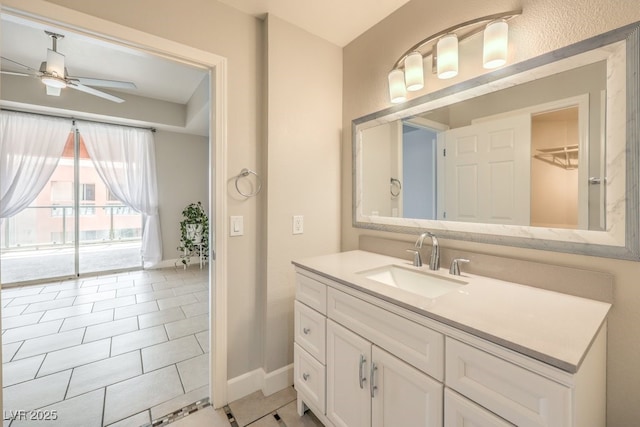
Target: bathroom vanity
pixel 379 342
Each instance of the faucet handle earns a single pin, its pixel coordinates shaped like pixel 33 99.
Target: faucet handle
pixel 417 259
pixel 455 266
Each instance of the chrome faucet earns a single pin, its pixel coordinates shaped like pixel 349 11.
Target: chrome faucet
pixel 434 261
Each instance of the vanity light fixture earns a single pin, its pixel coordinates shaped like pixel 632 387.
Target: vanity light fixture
pixel 408 73
pixel 413 71
pixel 496 42
pixel 397 88
pixel 447 54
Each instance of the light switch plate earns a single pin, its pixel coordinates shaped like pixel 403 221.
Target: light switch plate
pixel 236 226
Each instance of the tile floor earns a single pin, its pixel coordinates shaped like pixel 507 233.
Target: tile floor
pixel 255 410
pixel 121 349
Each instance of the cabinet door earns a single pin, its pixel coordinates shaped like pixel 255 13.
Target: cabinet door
pixel 402 395
pixel 461 412
pixel 348 360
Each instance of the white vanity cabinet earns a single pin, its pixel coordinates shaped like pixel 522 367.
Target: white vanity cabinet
pixel 360 360
pixel 367 386
pixel 309 371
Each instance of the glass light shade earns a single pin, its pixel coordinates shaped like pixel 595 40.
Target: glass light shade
pixel 496 41
pixel 397 89
pixel 54 81
pixel 413 71
pixel 447 54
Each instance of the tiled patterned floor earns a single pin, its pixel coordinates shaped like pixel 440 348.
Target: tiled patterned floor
pixel 255 410
pixel 121 349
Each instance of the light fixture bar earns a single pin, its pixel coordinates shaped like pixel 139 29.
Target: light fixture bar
pixel 433 38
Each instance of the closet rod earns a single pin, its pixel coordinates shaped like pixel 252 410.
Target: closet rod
pixel 74 119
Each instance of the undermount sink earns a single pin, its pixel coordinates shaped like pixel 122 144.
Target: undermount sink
pixel 418 282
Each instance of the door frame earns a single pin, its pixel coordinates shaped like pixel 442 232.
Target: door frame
pixel 87 25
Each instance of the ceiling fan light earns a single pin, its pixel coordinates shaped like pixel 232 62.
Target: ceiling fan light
pixel 397 89
pixel 496 42
pixel 413 71
pixel 54 81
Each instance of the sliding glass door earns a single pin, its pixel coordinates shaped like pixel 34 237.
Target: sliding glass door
pixel 110 232
pixel 40 242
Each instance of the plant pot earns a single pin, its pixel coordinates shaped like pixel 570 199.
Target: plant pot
pixel 194 233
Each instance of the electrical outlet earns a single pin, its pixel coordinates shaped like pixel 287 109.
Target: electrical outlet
pixel 298 224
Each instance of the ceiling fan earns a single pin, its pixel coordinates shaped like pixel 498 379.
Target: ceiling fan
pixel 54 75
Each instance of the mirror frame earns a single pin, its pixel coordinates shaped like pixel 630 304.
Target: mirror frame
pixel 563 240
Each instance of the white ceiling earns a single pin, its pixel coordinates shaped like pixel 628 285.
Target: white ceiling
pixel 23 41
pixel 338 21
pixel 155 77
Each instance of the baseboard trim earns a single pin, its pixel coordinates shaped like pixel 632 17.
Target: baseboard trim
pixel 176 263
pixel 257 379
pixel 244 384
pixel 277 380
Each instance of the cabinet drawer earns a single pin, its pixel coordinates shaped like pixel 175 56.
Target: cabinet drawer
pixel 514 393
pixel 411 342
pixel 309 377
pixel 312 293
pixel 461 412
pixel 310 331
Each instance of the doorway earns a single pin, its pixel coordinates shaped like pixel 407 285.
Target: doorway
pixel 216 160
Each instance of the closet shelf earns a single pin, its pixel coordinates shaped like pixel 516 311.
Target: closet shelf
pixel 565 157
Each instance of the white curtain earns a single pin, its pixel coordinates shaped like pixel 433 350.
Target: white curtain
pixel 126 161
pixel 30 148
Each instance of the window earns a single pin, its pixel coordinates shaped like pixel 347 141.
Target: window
pixel 88 192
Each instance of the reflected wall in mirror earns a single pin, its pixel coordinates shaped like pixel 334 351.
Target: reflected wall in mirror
pixel 540 154
pixel 526 155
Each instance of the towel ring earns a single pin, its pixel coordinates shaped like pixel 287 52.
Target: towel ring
pixel 395 185
pixel 244 173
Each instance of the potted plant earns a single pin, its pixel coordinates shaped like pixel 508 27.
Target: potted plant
pixel 194 233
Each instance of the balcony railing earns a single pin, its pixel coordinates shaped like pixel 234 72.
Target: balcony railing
pixel 54 226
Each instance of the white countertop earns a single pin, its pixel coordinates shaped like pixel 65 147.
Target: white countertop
pixel 555 328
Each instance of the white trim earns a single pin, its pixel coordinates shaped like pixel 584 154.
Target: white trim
pixel 277 380
pixel 176 263
pixel 244 384
pixel 257 380
pixel 78 22
pixel 218 265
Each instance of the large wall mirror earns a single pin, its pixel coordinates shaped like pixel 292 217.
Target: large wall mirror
pixel 541 154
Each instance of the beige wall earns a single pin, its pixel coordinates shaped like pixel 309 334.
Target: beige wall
pixel 545 25
pixel 302 151
pixel 554 189
pixel 183 178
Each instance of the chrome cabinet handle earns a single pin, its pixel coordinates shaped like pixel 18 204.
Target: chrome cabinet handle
pixel 305 376
pixel 361 371
pixel 306 331
pixel 372 386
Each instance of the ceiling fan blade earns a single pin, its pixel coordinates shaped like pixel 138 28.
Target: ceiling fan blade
pixel 13 73
pixel 26 67
pixel 53 91
pixel 55 63
pixel 115 84
pixel 96 92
